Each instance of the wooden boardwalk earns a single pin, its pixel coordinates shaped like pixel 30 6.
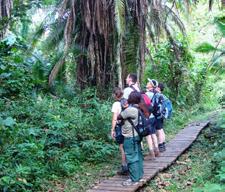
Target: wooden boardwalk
pixel 175 148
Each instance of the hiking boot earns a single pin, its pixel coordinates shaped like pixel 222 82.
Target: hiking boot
pixel 150 156
pixel 123 170
pixel 162 147
pixel 157 152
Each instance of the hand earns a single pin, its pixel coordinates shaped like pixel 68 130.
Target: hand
pixel 113 134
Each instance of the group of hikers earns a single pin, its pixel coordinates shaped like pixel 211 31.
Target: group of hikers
pixel 131 106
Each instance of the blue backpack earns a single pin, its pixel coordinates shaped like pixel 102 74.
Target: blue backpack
pixel 162 106
pixel 166 108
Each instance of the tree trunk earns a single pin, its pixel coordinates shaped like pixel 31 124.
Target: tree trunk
pixel 118 61
pixel 223 4
pixel 5 13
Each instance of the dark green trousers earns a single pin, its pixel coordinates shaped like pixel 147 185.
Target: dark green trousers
pixel 134 158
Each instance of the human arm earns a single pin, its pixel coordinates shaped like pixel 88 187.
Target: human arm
pixel 116 109
pixel 114 121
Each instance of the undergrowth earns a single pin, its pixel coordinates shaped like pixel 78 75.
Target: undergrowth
pixel 200 169
pixel 44 139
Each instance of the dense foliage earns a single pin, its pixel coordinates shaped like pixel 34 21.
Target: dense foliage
pixel 46 134
pixel 44 138
pixel 216 178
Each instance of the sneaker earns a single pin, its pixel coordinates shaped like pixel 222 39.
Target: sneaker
pixel 129 182
pixel 162 147
pixel 123 170
pixel 142 180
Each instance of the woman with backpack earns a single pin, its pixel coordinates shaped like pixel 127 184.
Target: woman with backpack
pixel 132 141
pixel 116 110
pixel 151 138
pixel 153 142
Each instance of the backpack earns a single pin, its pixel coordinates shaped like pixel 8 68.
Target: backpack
pixel 162 106
pixel 142 127
pixel 145 99
pixel 156 104
pixel 166 108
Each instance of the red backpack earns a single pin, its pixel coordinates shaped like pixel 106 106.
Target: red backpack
pixel 146 99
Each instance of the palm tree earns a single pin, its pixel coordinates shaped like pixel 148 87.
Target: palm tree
pixel 109 37
pixel 5 13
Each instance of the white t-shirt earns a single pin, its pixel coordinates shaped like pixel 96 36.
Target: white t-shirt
pixel 149 94
pixel 116 107
pixel 128 90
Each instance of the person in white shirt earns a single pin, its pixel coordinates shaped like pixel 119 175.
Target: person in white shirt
pixel 131 81
pixel 116 110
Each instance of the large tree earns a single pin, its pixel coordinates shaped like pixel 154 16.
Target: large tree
pixel 110 36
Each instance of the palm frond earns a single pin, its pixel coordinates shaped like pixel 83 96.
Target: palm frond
pixel 175 18
pixel 220 22
pixel 205 48
pixel 218 61
pixel 120 16
pixel 155 18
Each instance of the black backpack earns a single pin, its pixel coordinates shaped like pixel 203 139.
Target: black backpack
pixel 156 105
pixel 142 128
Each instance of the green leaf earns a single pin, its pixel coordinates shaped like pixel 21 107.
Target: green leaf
pixel 6 180
pixel 205 48
pixel 9 122
pixel 220 22
pixel 212 187
pixel 10 40
pixel 5 75
pixel 222 126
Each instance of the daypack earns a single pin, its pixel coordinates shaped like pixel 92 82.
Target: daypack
pixel 166 108
pixel 142 127
pixel 145 99
pixel 156 104
pixel 161 106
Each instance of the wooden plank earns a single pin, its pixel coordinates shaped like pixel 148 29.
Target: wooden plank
pixel 118 188
pixel 119 178
pixel 165 159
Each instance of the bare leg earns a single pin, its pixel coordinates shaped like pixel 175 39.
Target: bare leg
pixel 161 135
pixel 155 144
pixel 150 147
pixel 123 157
pixel 150 143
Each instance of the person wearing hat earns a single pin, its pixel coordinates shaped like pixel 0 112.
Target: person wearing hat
pixel 152 138
pixel 159 124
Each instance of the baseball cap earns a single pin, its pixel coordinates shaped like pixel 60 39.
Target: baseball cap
pixel 153 82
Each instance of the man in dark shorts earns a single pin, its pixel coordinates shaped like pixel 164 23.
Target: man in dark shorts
pixel 159 124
